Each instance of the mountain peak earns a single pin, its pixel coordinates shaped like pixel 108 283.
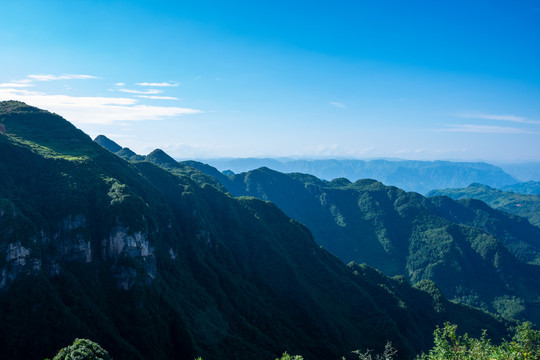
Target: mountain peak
pixel 161 158
pixel 480 186
pixel 42 127
pixel 107 143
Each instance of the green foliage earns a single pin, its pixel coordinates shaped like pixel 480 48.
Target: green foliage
pixel 448 345
pixel 388 353
pixel 83 349
pixel 522 204
pixel 286 356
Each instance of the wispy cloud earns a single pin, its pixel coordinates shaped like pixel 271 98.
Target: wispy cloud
pixel 333 150
pixel 408 151
pixel 120 84
pixel 510 118
pixel 153 97
pixel 22 81
pixel 337 104
pixel 15 84
pixel 94 109
pixel 49 77
pixel 162 84
pixel 149 91
pixel 485 129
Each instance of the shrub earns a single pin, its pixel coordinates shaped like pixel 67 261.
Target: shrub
pixel 82 349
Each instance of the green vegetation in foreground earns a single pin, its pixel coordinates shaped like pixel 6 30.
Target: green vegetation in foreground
pixel 448 345
pixel 82 349
pixel 525 345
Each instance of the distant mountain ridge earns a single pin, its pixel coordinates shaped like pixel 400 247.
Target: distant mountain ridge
pixel 529 171
pixel 409 175
pixel 529 187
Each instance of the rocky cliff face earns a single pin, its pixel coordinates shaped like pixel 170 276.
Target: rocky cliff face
pixel 70 244
pixel 18 262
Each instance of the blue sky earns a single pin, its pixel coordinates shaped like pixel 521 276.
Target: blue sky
pixel 355 79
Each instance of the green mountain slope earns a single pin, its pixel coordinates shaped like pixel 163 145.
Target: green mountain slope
pixel 475 254
pixel 525 205
pixel 153 265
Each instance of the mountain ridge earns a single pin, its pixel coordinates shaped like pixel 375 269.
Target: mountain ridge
pixel 153 265
pixel 410 175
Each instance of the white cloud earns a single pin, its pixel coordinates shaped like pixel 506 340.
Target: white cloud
pixel 157 97
pixel 408 151
pixel 337 104
pixel 149 91
pixel 333 150
pixel 485 129
pixel 94 110
pixel 120 84
pixel 15 84
pixel 510 118
pixel 49 77
pixel 23 81
pixel 163 84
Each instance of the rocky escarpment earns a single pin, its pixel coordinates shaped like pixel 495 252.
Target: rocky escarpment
pixel 72 244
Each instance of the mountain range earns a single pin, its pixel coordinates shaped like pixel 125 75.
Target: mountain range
pixel 475 254
pixel 409 175
pixel 158 264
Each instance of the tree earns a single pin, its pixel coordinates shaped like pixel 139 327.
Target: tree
pixel 82 349
pixel 525 345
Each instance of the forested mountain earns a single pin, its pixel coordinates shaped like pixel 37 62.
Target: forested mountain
pixel 156 265
pixel 521 204
pixel 419 176
pixel 475 254
pixel 529 187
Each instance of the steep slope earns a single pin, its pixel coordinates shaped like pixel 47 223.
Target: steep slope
pixel 469 250
pixel 153 266
pixel 108 143
pixel 162 159
pixel 419 176
pixel 525 205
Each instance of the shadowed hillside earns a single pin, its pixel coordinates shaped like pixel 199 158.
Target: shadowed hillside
pixel 475 254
